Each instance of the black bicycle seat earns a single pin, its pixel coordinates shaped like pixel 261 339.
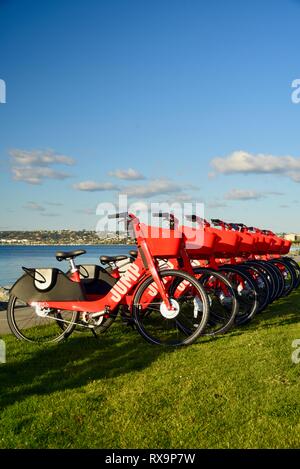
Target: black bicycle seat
pixel 62 255
pixel 107 259
pixel 133 253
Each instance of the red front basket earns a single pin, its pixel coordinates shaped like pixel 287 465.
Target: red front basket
pixel 286 247
pixel 277 245
pixel 247 243
pixel 199 243
pixel 227 243
pixel 162 242
pixel 262 244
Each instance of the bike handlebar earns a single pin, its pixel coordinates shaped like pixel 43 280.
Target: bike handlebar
pixel 253 228
pixel 118 215
pixel 195 218
pixel 235 226
pixel 218 222
pixel 267 232
pixel 166 215
pixel 170 217
pixel 192 217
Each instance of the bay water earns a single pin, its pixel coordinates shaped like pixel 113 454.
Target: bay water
pixel 12 258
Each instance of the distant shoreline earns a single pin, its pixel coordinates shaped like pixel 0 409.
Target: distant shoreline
pixel 65 244
pixel 62 238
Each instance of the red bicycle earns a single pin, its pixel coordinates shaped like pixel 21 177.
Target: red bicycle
pixel 200 244
pixel 169 307
pixel 218 252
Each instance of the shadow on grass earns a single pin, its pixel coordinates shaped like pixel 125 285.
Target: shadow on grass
pixel 42 370
pixel 282 312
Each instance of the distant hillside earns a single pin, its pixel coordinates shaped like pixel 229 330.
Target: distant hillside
pixel 61 237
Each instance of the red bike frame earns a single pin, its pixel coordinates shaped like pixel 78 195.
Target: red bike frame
pixel 124 289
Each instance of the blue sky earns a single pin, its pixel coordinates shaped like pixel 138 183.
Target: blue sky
pixel 163 100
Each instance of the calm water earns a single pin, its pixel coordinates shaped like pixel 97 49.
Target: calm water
pixel 12 258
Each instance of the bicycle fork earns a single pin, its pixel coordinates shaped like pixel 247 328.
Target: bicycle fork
pixel 152 269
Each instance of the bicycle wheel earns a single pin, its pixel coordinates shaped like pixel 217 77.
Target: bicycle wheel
pixel 296 266
pixel 262 284
pixel 288 274
pixel 270 276
pixel 42 326
pixel 246 291
pixel 222 300
pixel 279 276
pixel 276 275
pixel 177 327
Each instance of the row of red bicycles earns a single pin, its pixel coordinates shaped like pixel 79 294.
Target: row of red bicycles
pixel 181 282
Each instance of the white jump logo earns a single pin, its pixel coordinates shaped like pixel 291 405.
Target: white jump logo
pixel 296 353
pixel 296 92
pixel 125 282
pixel 2 92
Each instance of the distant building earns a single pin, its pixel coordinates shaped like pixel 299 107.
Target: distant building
pixel 295 237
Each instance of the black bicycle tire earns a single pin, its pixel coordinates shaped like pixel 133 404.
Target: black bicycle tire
pixel 288 290
pixel 266 289
pixel 17 333
pixel 240 320
pixel 291 262
pixel 273 281
pixel 231 321
pixel 141 288
pixel 277 275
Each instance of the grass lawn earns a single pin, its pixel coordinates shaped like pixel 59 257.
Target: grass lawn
pixel 240 390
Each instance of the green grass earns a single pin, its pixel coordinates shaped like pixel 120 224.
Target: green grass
pixel 240 390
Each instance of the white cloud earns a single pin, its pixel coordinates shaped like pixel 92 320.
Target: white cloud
pixel 138 206
pixel 273 193
pixel 241 194
pixel 39 158
pixel 152 188
pixel 54 204
pixel 127 174
pixel 34 166
pixel 245 163
pixel 34 206
pixel 245 194
pixel 216 204
pixel 36 175
pixel 92 186
pixel 86 211
pixel 50 214
pixel 183 198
